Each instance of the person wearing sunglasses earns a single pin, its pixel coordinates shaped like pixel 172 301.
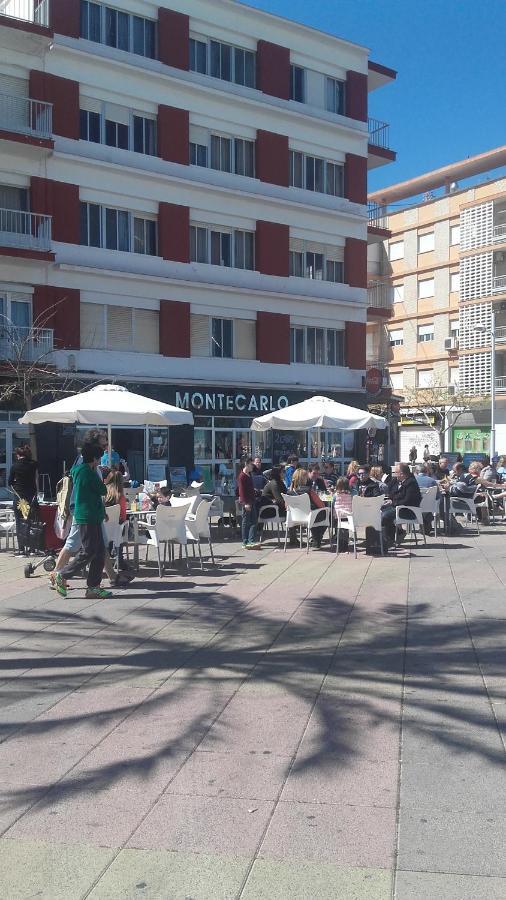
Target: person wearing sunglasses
pixel 367 487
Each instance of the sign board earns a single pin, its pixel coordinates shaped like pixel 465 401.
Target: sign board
pixel 156 471
pixel 178 478
pixel 474 457
pixel 452 459
pixel 471 440
pixel 373 381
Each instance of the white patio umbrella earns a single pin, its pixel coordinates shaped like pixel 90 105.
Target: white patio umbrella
pixel 317 413
pixel 108 404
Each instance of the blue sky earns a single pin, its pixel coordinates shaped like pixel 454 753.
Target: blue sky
pixel 448 101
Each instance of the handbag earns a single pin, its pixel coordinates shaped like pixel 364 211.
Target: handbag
pixel 23 506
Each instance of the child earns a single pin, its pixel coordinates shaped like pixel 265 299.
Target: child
pixel 163 496
pixel 89 513
pixel 342 496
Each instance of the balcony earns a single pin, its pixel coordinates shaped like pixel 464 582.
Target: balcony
pixel 26 344
pixel 499 233
pixel 500 384
pixel 500 334
pixel 25 231
pixel 499 284
pixel 36 12
pixel 379 298
pixel 379 133
pixel 23 116
pixel 377 216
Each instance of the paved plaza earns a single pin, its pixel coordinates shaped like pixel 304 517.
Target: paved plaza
pixel 283 726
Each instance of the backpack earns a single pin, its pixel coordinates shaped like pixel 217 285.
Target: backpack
pixel 63 518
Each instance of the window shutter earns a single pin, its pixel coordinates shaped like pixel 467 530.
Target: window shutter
pixel 120 114
pixel 296 245
pixel 335 254
pixel 16 114
pixel 313 247
pixel 14 87
pixel 244 339
pixel 91 105
pixel 199 335
pixel 199 135
pixel 92 326
pixel 146 331
pixel 119 328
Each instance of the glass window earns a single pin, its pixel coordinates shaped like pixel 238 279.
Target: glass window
pixel 221 248
pixel 221 153
pixel 296 264
pixel 297 345
pixel 224 444
pixel 203 443
pixel 425 333
pixel 334 96
pixel 144 135
pixel 242 444
pixel 90 126
pixel 396 250
pixel 454 234
pixel 425 288
pixel 198 155
pixel 145 236
pixel 396 337
pixel 91 21
pixel 198 56
pixel 426 242
pixel 335 271
pixel 244 157
pixel 297 84
pixel 296 169
pixel 398 293
pixel 198 245
pixel 314 266
pixel 425 377
pixel 243 250
pixel 455 281
pixel 221 338
pixel 334 181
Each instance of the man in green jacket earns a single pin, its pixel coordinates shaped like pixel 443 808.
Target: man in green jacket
pixel 89 513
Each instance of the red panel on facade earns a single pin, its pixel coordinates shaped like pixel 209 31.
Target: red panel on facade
pixel 61 201
pixel 173 133
pixel 58 308
pixel 355 263
pixel 174 328
pixel 273 69
pixel 355 178
pixel 273 338
pixel 65 17
pixel 354 339
pixel 63 93
pixel 272 158
pixel 174 232
pixel 174 38
pixel 356 96
pixel 272 248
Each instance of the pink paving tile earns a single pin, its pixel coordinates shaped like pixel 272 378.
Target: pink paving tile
pixel 270 722
pixel 242 775
pixel 330 778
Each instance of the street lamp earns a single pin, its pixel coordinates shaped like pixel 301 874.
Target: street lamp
pixel 482 329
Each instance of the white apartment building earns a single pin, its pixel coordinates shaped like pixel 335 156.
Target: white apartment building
pixel 183 194
pixel 442 273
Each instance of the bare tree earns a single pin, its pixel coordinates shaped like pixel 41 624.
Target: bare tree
pixel 439 406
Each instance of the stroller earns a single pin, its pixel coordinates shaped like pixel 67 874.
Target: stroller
pixel 40 539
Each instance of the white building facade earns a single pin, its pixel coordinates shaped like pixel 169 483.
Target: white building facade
pixel 183 207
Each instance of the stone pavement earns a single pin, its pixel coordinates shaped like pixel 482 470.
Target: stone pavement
pixel 283 726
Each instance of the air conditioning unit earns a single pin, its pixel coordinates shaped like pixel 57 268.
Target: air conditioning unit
pixel 451 343
pixel 452 389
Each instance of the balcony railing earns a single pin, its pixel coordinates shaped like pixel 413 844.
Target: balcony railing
pixel 24 230
pixel 499 232
pixel 377 215
pixel 379 295
pixel 379 133
pixel 500 334
pixel 21 343
pixel 35 11
pixel 25 116
pixel 500 384
pixel 499 283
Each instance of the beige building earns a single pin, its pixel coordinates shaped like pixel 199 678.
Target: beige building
pixel 439 274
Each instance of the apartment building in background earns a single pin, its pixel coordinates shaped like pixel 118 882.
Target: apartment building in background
pixel 440 273
pixel 183 208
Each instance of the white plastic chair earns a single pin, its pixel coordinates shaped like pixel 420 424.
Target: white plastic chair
pixel 8 528
pixel 169 529
pixel 366 513
pixel 198 527
pixel 215 513
pixel 114 531
pixel 299 514
pixel 269 515
pixel 194 488
pixel 411 517
pixel 430 504
pixel 191 502
pixel 344 519
pixel 464 506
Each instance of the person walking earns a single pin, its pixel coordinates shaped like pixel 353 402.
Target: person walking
pixel 249 513
pixel 89 514
pixel 23 481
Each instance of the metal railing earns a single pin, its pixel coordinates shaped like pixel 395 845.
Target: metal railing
pixel 35 11
pixel 19 342
pixel 379 133
pixel 24 230
pixel 500 384
pixel 499 232
pixel 377 215
pixel 499 283
pixel 26 116
pixel 379 295
pixel 500 334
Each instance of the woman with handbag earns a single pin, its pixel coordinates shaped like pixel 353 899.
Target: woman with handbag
pixel 23 482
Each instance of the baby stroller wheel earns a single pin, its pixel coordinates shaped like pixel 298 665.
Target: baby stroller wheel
pixel 49 564
pixel 28 570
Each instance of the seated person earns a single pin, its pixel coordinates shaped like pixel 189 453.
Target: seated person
pixel 301 485
pixel 404 491
pixel 273 490
pixel 162 497
pixel 367 487
pixel 115 495
pixel 376 474
pixel 315 479
pixel 442 470
pixel 423 477
pixel 293 464
pixel 342 496
pixel 330 475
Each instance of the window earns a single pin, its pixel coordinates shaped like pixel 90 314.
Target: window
pixel 198 154
pixel 113 327
pixel 223 61
pixel 316 346
pixel 221 153
pixel 454 376
pixel 90 126
pixel 244 157
pixel 117 229
pixel 426 242
pixel 121 30
pixel 334 96
pixel 398 293
pixel 455 281
pixel 425 333
pixel 234 249
pixel 15 318
pixel 396 337
pixel 425 378
pixel 221 338
pixel 397 380
pixel 315 264
pixel 297 84
pixel 144 131
pixel 425 288
pixel 116 134
pixel 396 250
pixel 334 271
pixel 454 328
pixel 315 174
pixel 454 234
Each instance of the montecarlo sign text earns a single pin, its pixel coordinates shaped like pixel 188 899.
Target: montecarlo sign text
pixel 233 402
